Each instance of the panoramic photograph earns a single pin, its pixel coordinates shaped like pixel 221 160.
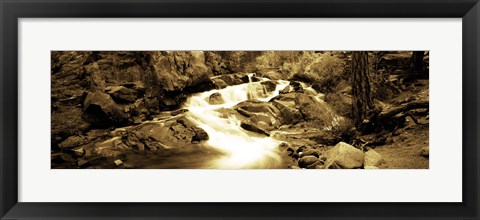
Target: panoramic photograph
pixel 239 109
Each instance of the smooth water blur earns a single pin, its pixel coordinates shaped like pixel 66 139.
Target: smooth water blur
pixel 242 148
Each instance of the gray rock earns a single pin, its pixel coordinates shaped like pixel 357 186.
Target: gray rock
pixel 289 114
pixel 269 85
pixel 122 94
pixel 343 156
pixel 78 151
pixel 73 141
pixel 296 86
pixel 372 158
pixel 313 109
pixel 310 152
pixel 256 124
pixel 256 91
pixel 425 151
pixel 118 162
pixel 100 109
pixel 285 90
pixel 215 99
pixel 172 132
pixel 308 162
pixel 219 83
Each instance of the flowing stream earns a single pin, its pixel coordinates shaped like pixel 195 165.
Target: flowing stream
pixel 241 148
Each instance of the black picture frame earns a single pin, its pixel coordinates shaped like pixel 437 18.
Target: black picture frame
pixel 12 10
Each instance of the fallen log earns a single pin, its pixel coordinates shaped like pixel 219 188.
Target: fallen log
pixel 403 108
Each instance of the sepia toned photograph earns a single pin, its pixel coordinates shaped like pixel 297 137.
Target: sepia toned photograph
pixel 240 109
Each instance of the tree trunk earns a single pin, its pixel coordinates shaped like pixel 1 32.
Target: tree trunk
pixel 416 62
pixel 362 101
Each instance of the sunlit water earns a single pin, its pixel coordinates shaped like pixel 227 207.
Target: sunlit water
pixel 242 148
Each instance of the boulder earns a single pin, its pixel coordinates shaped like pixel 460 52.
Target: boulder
pixel 269 85
pixel 308 162
pixel 138 86
pixel 73 141
pixel 100 110
pixel 176 70
pixel 248 78
pixel 258 123
pixel 312 109
pixel 215 99
pixel 425 151
pixel 288 112
pixel 287 89
pixel 175 132
pixel 122 94
pixel 309 152
pixel 373 159
pixel 252 107
pixel 219 83
pixel 296 86
pixel 256 91
pixel 343 156
pixel 261 117
pixel 113 147
pixel 231 79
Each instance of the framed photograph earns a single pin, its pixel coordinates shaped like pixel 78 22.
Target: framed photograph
pixel 239 110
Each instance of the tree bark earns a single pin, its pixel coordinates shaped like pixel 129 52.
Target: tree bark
pixel 362 101
pixel 416 61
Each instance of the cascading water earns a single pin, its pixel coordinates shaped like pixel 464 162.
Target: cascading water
pixel 242 148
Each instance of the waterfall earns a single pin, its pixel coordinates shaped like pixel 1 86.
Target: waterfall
pixel 242 148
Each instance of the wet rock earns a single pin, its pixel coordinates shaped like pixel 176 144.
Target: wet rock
pixel 296 86
pixel 409 123
pixel 122 94
pixel 176 70
pixel 200 135
pixel 231 79
pixel 60 158
pixel 301 149
pixel 118 162
pixel 251 108
pixel 246 78
pixel 289 114
pixel 100 110
pixel 138 86
pixel 73 141
pixel 81 162
pixel 257 91
pixel 269 85
pixel 312 109
pixel 256 125
pixel 219 83
pixel 374 159
pixel 113 147
pixel 215 99
pixel 308 162
pixel 174 132
pixel 343 156
pixel 425 151
pixel 309 152
pixel 287 89
pixel 78 151
pixel 291 151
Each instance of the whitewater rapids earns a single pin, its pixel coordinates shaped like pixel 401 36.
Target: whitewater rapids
pixel 242 149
